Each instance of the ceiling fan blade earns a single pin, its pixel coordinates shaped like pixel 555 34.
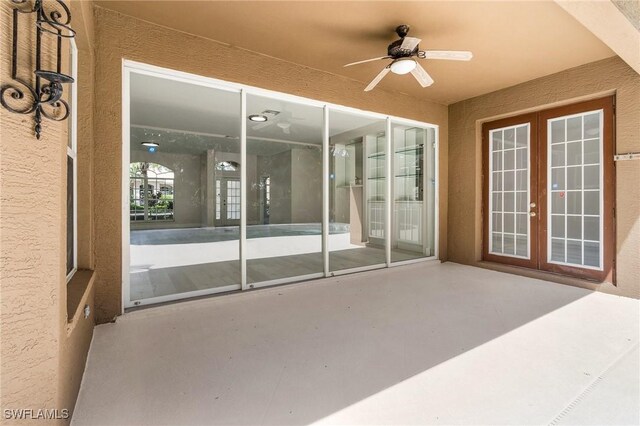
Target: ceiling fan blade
pixel 410 43
pixel 379 77
pixel 262 125
pixel 453 55
pixel 367 60
pixel 422 76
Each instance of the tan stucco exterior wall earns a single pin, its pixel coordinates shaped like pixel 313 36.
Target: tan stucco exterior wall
pixel 122 37
pixel 43 352
pixel 465 160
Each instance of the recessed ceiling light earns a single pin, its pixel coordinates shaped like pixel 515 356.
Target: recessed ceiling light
pixel 150 144
pixel 258 117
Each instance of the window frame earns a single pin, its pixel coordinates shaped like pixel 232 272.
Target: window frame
pixel 72 152
pixel 145 184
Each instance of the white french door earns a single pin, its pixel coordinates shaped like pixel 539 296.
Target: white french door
pixel 227 201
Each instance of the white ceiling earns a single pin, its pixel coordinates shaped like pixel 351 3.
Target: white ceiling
pixel 190 118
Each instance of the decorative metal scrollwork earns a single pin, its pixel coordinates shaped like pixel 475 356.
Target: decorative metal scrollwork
pixel 44 97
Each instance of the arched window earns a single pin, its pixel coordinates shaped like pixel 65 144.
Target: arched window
pixel 227 166
pixel 151 192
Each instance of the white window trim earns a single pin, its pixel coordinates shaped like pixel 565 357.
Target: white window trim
pixel 73 150
pixel 601 190
pixel 491 212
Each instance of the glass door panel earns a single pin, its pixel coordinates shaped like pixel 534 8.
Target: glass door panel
pixel 177 131
pixel 578 202
pixel 510 183
pixel 285 153
pixel 413 193
pixel 356 191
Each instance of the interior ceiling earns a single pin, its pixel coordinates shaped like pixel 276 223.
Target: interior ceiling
pixel 512 42
pixel 188 118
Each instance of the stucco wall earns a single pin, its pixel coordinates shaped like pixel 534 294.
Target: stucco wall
pixel 42 354
pixel 465 161
pixel 120 36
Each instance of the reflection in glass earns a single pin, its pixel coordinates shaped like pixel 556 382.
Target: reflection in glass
pixel 186 179
pixel 414 189
pixel 284 190
pixel 184 206
pixel 357 187
pixel 576 206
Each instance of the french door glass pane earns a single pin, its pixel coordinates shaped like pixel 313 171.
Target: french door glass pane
pixel 413 192
pixel 284 169
pixel 177 243
pixel 509 191
pixel 575 190
pixel 356 174
pixel 233 199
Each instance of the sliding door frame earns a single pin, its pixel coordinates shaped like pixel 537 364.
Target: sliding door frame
pixel 129 67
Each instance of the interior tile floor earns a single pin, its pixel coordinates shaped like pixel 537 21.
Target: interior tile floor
pixel 426 343
pixel 181 279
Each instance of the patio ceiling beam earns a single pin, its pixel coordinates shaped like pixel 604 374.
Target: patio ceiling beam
pixel 610 25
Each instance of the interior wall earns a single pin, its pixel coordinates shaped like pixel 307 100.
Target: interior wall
pixel 187 188
pixel 465 159
pixel 253 193
pixel 121 37
pixel 43 350
pixel 306 185
pixel 278 167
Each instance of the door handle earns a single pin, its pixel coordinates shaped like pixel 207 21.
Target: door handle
pixel 532 205
pixel 532 214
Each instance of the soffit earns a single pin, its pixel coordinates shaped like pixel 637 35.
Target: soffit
pixel 512 42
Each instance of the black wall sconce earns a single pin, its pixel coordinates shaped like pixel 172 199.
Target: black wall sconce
pixel 41 95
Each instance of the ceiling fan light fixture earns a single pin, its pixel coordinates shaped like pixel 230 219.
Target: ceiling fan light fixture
pixel 258 117
pixel 153 144
pixel 403 66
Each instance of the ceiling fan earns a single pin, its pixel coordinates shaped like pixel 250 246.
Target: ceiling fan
pixel 404 53
pixel 282 119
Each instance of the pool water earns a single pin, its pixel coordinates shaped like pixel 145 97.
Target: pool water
pixel 208 235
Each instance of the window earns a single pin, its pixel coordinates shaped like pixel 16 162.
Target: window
pixel 227 166
pixel 72 168
pixel 151 192
pixel 549 190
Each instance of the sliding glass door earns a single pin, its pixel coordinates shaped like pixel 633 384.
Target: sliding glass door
pixel 231 187
pixel 414 192
pixel 184 193
pixel 357 191
pixel 285 151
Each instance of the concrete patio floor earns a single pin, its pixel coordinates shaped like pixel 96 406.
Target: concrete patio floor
pixel 427 343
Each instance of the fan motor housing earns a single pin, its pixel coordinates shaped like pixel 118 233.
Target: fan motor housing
pixel 395 51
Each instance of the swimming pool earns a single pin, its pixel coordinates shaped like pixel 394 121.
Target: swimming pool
pixel 229 233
